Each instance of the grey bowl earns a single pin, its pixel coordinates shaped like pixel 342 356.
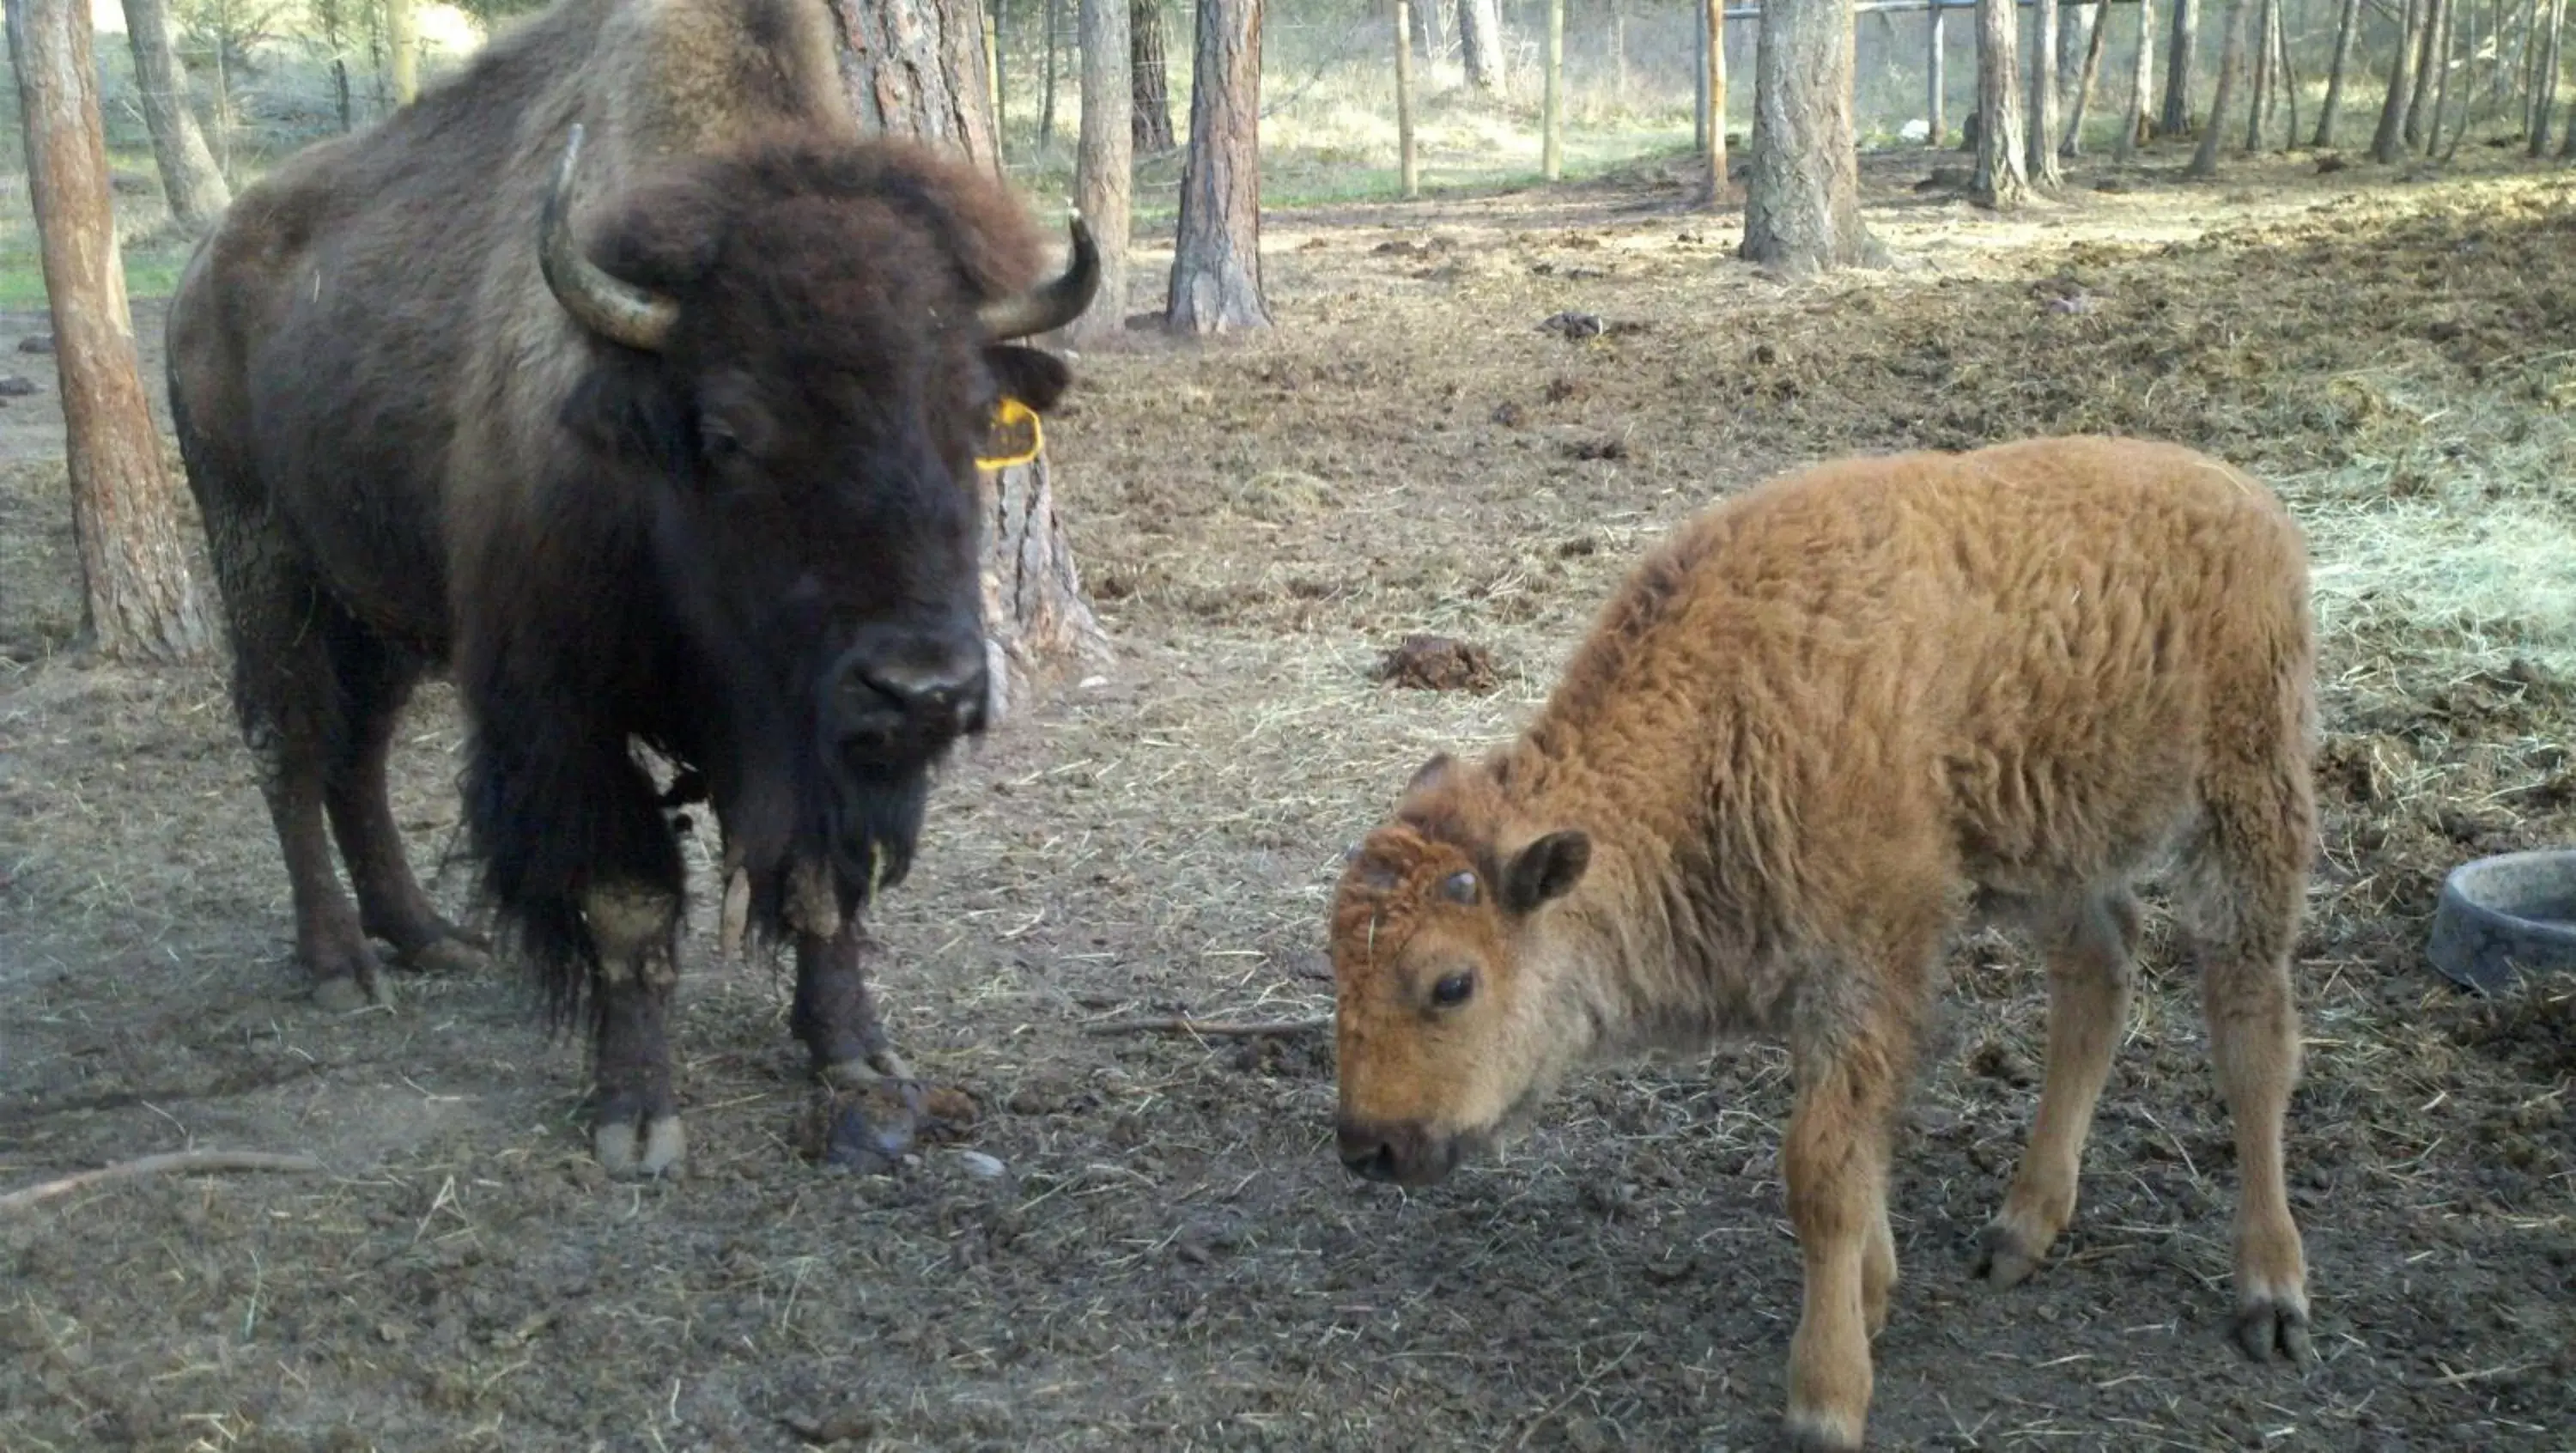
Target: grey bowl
pixel 2507 916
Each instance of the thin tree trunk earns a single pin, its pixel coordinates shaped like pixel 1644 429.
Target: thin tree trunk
pixel 1046 97
pixel 2181 60
pixel 402 51
pixel 1551 127
pixel 2428 60
pixel 1480 43
pixel 1407 166
pixel 2345 23
pixel 1802 198
pixel 2442 82
pixel 1999 181
pixel 2039 157
pixel 2231 65
pixel 992 20
pixel 2074 32
pixel 1619 47
pixel 189 178
pixel 1216 262
pixel 2142 73
pixel 2286 84
pixel 1713 23
pixel 1151 70
pixel 1936 97
pixel 2544 94
pixel 2468 91
pixel 2392 110
pixel 2567 143
pixel 2260 93
pixel 2094 44
pixel 1104 163
pixel 142 601
pixel 915 68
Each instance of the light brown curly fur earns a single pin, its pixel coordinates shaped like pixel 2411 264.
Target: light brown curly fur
pixel 1814 730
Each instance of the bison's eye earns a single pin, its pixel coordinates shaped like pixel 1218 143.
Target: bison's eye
pixel 718 441
pixel 1453 990
pixel 1459 887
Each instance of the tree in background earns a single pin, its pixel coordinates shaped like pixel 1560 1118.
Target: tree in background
pixel 2345 23
pixel 2181 59
pixel 1104 162
pixel 916 68
pixel 2231 65
pixel 142 601
pixel 2142 74
pixel 2552 23
pixel 1151 100
pixel 1802 196
pixel 190 180
pixel 2392 110
pixel 1216 260
pixel 1999 181
pixel 2039 157
pixel 1480 43
pixel 402 51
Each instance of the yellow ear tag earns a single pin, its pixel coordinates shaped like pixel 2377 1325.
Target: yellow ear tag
pixel 1015 437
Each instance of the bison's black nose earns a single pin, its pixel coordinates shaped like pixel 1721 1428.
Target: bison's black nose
pixel 1404 1154
pixel 896 690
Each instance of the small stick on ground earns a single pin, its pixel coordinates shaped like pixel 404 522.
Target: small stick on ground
pixel 188 1161
pixel 1214 1028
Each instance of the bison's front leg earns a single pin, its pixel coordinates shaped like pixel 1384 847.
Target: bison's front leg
pixel 835 1016
pixel 635 1125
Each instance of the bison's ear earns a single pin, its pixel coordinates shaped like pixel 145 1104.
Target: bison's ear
pixel 1034 378
pixel 623 410
pixel 1548 868
pixel 1429 772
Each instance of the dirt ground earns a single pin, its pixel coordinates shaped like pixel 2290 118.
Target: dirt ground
pixel 1170 1256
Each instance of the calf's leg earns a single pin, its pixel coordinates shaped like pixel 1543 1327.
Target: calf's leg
pixel 2090 941
pixel 1836 1158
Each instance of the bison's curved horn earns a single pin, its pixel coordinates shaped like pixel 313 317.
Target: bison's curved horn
pixel 606 305
pixel 1048 306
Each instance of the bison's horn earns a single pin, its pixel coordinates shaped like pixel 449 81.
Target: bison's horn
pixel 606 305
pixel 1049 306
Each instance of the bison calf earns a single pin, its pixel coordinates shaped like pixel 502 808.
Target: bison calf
pixel 1814 730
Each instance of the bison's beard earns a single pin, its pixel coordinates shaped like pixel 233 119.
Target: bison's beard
pixel 872 820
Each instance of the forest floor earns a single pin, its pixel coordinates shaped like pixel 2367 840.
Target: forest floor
pixel 1169 1255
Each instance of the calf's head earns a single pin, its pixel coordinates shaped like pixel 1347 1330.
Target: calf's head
pixel 808 340
pixel 1456 1001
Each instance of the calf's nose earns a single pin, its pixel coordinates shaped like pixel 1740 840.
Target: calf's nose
pixel 1401 1153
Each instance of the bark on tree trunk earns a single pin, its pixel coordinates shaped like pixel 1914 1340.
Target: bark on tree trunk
pixel 2231 64
pixel 916 68
pixel 2392 110
pixel 141 599
pixel 2142 74
pixel 2285 76
pixel 1551 126
pixel 2344 26
pixel 2428 60
pixel 1046 97
pixel 1802 197
pixel 2180 62
pixel 1150 79
pixel 402 51
pixel 189 178
pixel 1408 172
pixel 1713 28
pixel 2544 96
pixel 2073 145
pixel 1104 165
pixel 2259 94
pixel 1999 181
pixel 1480 43
pixel 2039 158
pixel 2442 81
pixel 1216 261
pixel 1936 78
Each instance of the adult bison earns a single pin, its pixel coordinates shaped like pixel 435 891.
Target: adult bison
pixel 704 486
pixel 1802 737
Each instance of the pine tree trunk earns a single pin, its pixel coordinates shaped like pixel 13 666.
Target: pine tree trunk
pixel 2286 76
pixel 1104 165
pixel 1046 96
pixel 1936 79
pixel 2345 23
pixel 2544 95
pixel 1150 80
pixel 2392 110
pixel 1551 109
pixel 2039 158
pixel 141 599
pixel 2260 93
pixel 2428 60
pixel 1407 168
pixel 189 178
pixel 2231 65
pixel 1999 181
pixel 2441 82
pixel 1216 260
pixel 2094 44
pixel 1713 82
pixel 402 51
pixel 916 68
pixel 1802 197
pixel 1480 43
pixel 2142 75
pixel 2180 62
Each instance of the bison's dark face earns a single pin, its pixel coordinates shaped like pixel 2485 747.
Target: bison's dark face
pixel 811 351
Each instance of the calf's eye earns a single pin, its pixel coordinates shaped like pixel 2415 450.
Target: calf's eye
pixel 1452 991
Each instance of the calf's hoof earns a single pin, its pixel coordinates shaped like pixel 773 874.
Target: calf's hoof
pixel 662 1149
pixel 2005 1257
pixel 2275 1331
pixel 1818 1433
pixel 344 993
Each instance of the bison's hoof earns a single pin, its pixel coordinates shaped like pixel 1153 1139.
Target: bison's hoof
pixel 2004 1258
pixel 1817 1433
pixel 859 1073
pixel 447 956
pixel 343 993
pixel 2271 1331
pixel 663 1150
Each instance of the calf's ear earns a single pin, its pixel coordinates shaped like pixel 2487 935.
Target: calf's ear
pixel 1548 868
pixel 1034 378
pixel 1430 772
